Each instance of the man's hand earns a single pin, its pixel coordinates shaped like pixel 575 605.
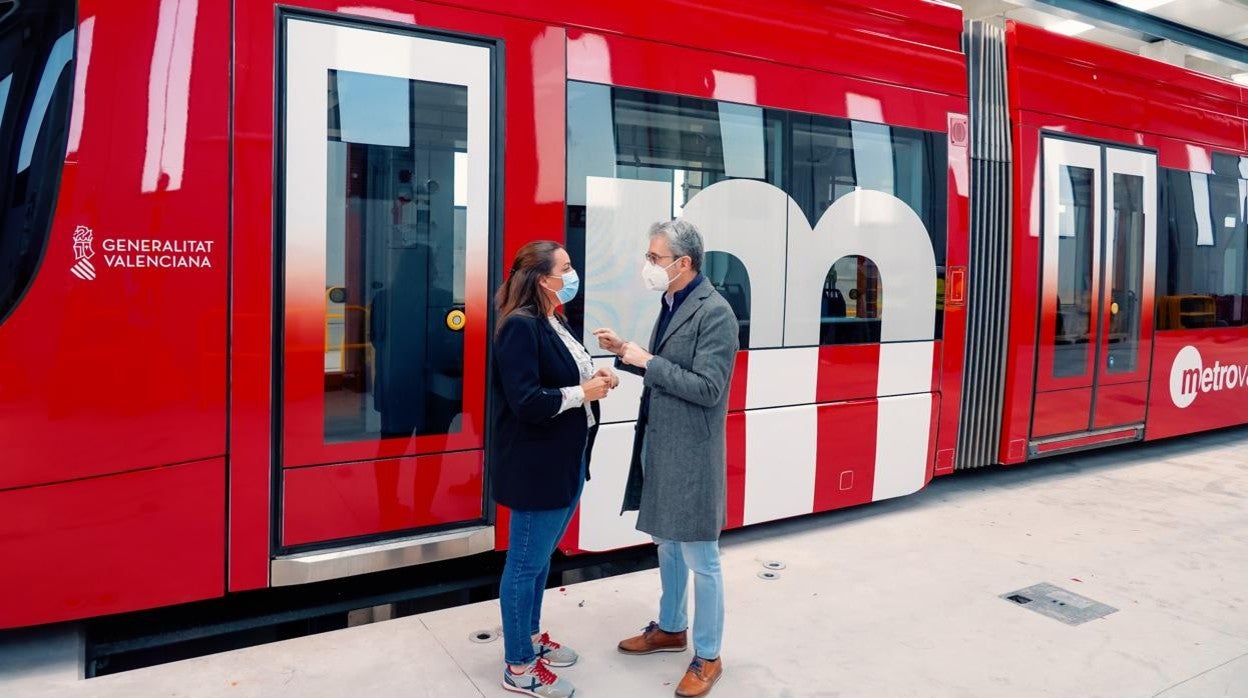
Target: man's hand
pixel 609 340
pixel 613 381
pixel 633 355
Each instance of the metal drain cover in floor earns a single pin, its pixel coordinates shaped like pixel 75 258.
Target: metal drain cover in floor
pixel 1057 603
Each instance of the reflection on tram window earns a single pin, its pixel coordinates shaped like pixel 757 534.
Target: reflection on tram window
pixel 833 157
pixel 1075 234
pixel 394 257
pixel 852 305
pixel 688 142
pixel 1202 256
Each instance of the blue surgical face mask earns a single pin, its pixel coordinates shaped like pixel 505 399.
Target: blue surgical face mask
pixel 571 284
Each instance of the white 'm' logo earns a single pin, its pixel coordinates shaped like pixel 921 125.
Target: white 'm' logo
pixel 1185 376
pixel 83 252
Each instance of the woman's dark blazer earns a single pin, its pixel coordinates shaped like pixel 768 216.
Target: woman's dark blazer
pixel 535 454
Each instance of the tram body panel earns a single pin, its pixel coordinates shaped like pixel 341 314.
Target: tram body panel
pixel 212 365
pixel 112 411
pixel 1088 117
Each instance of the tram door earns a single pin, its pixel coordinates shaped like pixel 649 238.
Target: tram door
pixel 1098 245
pixel 384 224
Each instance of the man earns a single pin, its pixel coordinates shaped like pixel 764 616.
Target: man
pixel 676 482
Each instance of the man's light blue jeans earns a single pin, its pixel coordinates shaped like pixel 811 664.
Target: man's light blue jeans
pixel 676 560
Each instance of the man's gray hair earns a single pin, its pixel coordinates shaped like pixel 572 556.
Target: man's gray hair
pixel 684 239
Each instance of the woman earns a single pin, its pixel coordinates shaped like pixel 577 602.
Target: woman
pixel 541 421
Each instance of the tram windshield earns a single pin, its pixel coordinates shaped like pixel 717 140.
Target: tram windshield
pixel 36 75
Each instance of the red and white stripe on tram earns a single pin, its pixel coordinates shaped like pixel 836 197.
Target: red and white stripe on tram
pixel 799 456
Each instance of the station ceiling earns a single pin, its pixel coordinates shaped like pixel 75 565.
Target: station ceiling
pixel 1227 19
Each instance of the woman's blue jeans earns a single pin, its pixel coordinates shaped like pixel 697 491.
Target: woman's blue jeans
pixel 532 540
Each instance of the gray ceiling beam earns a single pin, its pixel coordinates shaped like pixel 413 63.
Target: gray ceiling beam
pixel 1149 27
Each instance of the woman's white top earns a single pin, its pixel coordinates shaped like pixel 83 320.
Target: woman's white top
pixel 574 396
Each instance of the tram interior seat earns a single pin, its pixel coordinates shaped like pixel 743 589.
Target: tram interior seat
pixel 1187 312
pixel 1232 310
pixel 1072 322
pixel 740 303
pixel 735 295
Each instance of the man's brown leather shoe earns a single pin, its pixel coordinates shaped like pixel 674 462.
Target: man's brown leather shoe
pixel 700 677
pixel 652 640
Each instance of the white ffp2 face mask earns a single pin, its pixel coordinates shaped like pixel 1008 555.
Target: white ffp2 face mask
pixel 655 276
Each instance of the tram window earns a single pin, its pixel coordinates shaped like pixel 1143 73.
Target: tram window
pixel 394 256
pixel 852 306
pixel 833 157
pixel 1075 235
pixel 36 75
pixel 1202 255
pixel 689 144
pixel 1127 283
pixel 730 277
pixel 685 142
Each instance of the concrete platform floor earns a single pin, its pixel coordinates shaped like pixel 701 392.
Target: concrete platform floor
pixel 894 599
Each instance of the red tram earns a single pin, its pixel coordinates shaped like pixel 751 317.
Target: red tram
pixel 247 249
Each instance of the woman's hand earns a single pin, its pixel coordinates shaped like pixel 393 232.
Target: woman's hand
pixel 595 388
pixel 613 381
